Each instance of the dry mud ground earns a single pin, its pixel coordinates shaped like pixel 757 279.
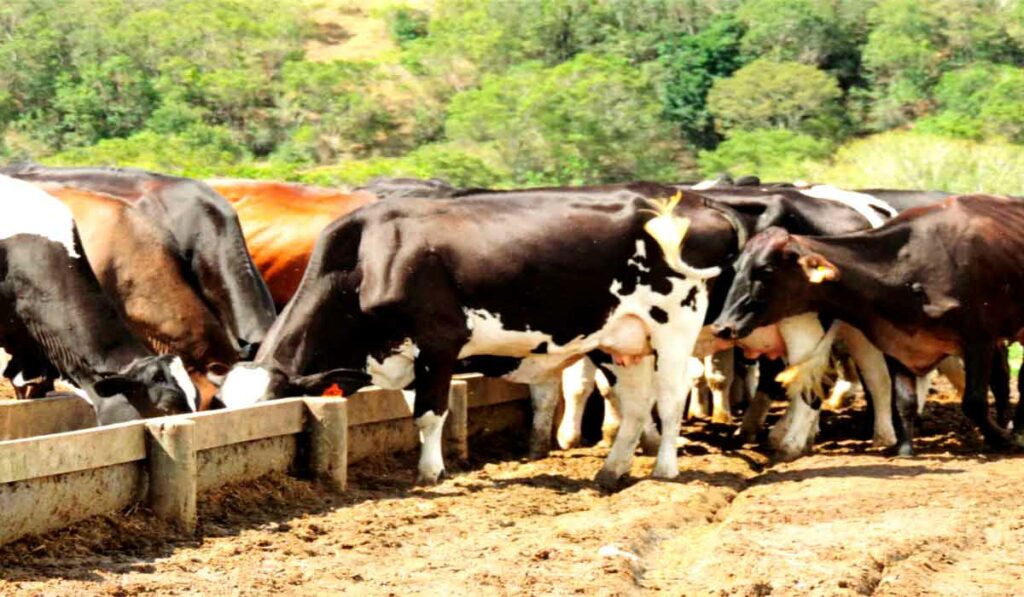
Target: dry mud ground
pixel 846 520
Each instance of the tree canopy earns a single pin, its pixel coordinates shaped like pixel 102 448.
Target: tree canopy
pixel 491 92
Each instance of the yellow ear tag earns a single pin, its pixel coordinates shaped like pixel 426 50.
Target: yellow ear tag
pixel 819 275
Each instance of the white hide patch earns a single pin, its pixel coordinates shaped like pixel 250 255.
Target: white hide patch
pixel 245 385
pixel 28 209
pixel 641 253
pixel 397 370
pixel 862 203
pixel 431 427
pixel 705 184
pixel 184 382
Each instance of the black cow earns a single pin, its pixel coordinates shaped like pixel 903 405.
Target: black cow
pixel 936 281
pixel 398 188
pixel 55 318
pixel 403 289
pixel 204 229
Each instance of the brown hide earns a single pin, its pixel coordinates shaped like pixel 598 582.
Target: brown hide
pixel 281 223
pixel 130 259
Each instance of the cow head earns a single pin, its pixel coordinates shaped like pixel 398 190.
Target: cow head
pixel 152 386
pixel 249 383
pixel 776 277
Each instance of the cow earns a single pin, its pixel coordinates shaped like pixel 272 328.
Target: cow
pixel 281 221
pixel 204 231
pixel 818 210
pixel 396 188
pixel 400 290
pixel 55 318
pixel 136 265
pixel 935 281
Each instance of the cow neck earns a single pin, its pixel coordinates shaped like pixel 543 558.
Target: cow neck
pixel 106 348
pixel 870 272
pixel 732 216
pixel 87 335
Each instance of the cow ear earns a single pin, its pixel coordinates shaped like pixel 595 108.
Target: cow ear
pixel 818 269
pixel 348 381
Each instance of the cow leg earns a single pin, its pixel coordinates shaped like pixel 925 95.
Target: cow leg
pixel 1000 384
pixel 875 375
pixel 978 363
pixel 434 369
pixel 719 370
pixel 905 391
pixel 612 410
pixel 755 416
pixel 577 384
pixel 674 374
pixel 544 395
pixel 953 369
pixel 635 398
pixel 696 408
pixel 1018 416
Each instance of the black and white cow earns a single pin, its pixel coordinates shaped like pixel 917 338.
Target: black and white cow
pixel 204 231
pixel 55 318
pixel 403 289
pixel 806 209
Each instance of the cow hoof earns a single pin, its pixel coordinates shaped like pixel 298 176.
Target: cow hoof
pixel 428 479
pixel 608 480
pixel 788 454
pixel 539 454
pixel 722 419
pixel 666 473
pixel 905 450
pixel 1018 439
pixel 569 441
pixel 999 442
pixel 884 440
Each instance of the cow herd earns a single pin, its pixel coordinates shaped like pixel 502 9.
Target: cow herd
pixel 154 295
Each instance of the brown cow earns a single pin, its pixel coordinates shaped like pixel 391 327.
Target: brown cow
pixel 137 269
pixel 281 222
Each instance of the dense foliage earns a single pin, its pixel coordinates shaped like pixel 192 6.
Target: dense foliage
pixel 492 92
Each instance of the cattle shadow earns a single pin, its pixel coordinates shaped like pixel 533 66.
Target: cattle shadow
pixel 867 471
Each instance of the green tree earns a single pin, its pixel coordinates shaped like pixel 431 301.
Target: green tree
pixel 690 66
pixel 978 102
pixel 589 119
pixel 768 94
pixel 772 154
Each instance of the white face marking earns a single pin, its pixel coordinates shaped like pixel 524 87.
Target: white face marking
pixel 28 209
pixel 431 429
pixel 801 431
pixel 245 385
pixel 862 203
pixel 397 370
pixel 184 382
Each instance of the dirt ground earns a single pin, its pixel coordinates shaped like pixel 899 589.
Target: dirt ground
pixel 846 520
